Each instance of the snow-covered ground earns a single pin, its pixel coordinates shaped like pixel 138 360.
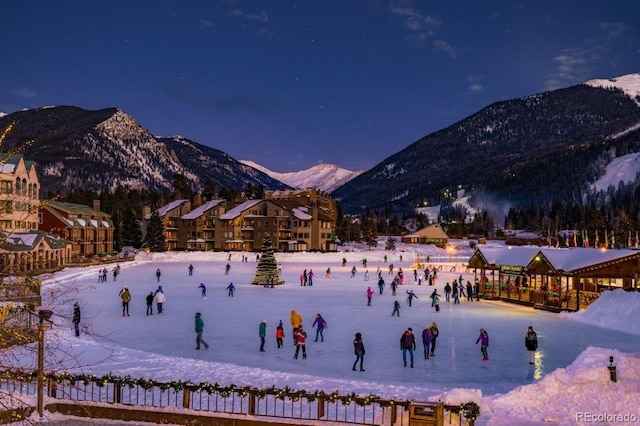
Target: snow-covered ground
pixel 568 382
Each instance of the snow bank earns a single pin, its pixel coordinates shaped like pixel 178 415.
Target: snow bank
pixel 616 310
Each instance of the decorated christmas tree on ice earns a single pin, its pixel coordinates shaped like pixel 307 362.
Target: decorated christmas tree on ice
pixel 267 270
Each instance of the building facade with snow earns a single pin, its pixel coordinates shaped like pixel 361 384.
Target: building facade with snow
pixel 170 215
pixel 89 229
pixel 19 194
pixel 196 229
pixel 432 234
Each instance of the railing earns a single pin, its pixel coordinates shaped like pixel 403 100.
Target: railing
pixel 207 397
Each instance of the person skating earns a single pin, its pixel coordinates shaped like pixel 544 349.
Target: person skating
pixel 469 291
pixel 230 290
pixel 353 272
pixel 447 292
pixel 149 300
pixel 435 300
pixel 455 293
pixel 160 299
pixel 434 336
pixel 227 269
pixel 410 296
pixel 190 269
pixel 407 344
pixel 358 348
pixel 76 319
pixel 199 329
pixel 380 284
pixel 158 274
pixel 426 341
pixel 396 308
pixel 531 343
pixel 300 337
pixel 483 339
pixel 262 333
pixel 321 323
pixel 126 298
pixel 279 335
pixel 369 296
pixel 296 321
pixel 203 288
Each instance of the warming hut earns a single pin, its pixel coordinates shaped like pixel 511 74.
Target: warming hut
pixel 571 278
pixel 501 272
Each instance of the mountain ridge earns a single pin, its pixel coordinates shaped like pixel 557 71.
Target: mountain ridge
pixel 325 177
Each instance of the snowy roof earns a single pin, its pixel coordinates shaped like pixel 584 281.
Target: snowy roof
pixel 299 214
pixel 199 211
pixel 166 208
pixel 237 210
pixel 571 259
pixel 563 259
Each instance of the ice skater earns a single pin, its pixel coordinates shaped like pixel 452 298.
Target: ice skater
pixel 483 339
pixel 531 343
pixel 358 348
pixel 199 329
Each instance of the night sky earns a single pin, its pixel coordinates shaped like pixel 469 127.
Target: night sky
pixel 293 84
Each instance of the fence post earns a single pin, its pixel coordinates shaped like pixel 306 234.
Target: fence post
pixel 117 393
pixel 252 402
pixel 320 407
pixel 394 413
pixel 186 397
pixel 53 389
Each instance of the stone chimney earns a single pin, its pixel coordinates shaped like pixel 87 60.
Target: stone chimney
pixel 96 205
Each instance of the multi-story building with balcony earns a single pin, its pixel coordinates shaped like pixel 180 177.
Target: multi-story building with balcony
pixel 197 229
pixel 89 229
pixel 170 215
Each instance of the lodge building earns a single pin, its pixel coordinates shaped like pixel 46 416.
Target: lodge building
pixel 555 279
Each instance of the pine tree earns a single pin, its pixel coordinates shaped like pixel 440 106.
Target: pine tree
pixel 154 238
pixel 130 229
pixel 267 266
pixel 390 244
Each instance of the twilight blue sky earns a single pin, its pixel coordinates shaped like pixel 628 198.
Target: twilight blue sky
pixel 290 84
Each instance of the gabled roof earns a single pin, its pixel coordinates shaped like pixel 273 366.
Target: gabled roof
pixel 197 212
pixel 237 210
pixel 557 259
pixel 168 207
pixel 432 231
pixel 56 207
pixel 74 208
pixel 8 163
pixel 573 259
pixel 26 241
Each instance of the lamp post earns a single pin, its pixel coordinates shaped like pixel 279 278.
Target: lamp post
pixel 450 249
pixel 42 315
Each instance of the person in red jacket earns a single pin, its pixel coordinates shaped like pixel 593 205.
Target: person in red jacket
pixel 300 338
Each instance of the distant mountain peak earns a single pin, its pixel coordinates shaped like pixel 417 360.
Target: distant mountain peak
pixel 325 177
pixel 629 84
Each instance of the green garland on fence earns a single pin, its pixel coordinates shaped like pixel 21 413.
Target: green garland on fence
pixel 470 410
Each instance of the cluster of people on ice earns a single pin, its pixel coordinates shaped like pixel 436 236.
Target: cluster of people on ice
pixel 102 274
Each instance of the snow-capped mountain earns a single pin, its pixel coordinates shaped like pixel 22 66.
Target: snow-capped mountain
pixel 325 177
pixel 629 84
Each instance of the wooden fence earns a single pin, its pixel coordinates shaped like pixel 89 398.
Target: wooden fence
pixel 283 403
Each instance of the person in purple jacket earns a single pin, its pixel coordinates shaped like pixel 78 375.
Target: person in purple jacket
pixel 321 323
pixel 426 341
pixel 483 339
